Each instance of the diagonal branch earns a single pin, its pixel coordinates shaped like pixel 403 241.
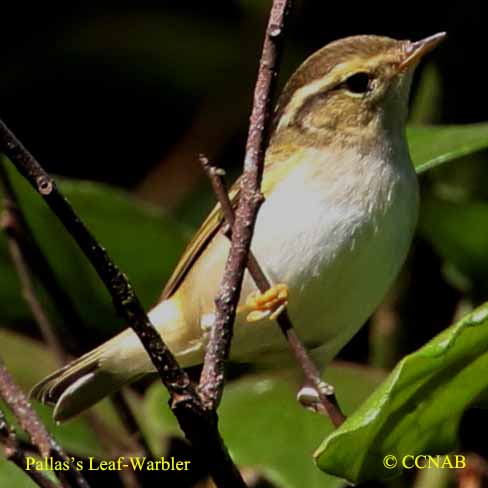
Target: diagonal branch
pixel 124 298
pixel 328 401
pixel 28 259
pixel 15 227
pixel 28 420
pixel 250 200
pixel 195 414
pixel 15 453
pixel 199 425
pixel 19 231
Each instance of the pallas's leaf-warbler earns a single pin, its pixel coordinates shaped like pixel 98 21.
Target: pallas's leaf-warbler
pixel 337 222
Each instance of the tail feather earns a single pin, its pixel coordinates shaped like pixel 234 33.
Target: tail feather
pixel 121 360
pixel 78 385
pixel 50 388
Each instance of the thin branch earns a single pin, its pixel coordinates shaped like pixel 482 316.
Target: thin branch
pixel 14 452
pixel 198 421
pixel 12 223
pixel 328 401
pixel 199 425
pixel 127 417
pixel 125 300
pixel 28 420
pixel 250 200
pixel 28 290
pixel 117 445
pixel 27 255
pixel 18 230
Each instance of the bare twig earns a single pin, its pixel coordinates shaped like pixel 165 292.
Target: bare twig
pixel 199 425
pixel 28 420
pixel 22 245
pixel 326 395
pixel 28 291
pixel 27 255
pixel 198 420
pixel 212 378
pixel 117 445
pixel 15 453
pixel 127 417
pixel 14 225
pixel 125 300
pixel 19 230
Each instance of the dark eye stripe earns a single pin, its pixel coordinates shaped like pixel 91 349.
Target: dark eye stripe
pixel 357 83
pixel 308 104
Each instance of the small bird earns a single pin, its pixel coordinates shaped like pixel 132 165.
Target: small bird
pixel 340 209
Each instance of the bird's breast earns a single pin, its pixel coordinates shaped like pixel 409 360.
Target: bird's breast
pixel 336 231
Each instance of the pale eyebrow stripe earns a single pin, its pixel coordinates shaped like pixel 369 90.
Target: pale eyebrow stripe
pixel 311 89
pixel 302 94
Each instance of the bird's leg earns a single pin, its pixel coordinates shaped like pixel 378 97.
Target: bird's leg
pixel 267 304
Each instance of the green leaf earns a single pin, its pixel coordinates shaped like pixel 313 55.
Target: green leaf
pixel 265 428
pixel 458 231
pixel 418 408
pixel 11 475
pixel 426 103
pixel 431 146
pixel 143 241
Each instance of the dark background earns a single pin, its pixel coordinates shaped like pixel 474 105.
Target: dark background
pixel 108 91
pixel 130 93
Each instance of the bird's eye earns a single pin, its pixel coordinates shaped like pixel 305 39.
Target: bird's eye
pixel 358 83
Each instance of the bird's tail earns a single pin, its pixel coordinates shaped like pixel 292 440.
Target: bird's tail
pixel 119 361
pixel 82 383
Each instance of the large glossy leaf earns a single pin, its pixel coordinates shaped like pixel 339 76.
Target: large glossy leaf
pixel 265 428
pixel 146 243
pixel 430 146
pixel 417 409
pixel 143 241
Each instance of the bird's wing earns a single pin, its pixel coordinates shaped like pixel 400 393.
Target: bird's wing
pixel 212 224
pixel 199 242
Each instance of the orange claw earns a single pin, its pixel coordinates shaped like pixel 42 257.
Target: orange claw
pixel 267 304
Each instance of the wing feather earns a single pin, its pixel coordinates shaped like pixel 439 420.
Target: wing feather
pixel 273 174
pixel 198 244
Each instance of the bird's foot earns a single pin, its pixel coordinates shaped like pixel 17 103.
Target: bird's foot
pixel 268 304
pixel 309 397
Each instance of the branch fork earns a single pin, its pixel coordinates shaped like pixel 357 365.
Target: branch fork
pixel 326 401
pixel 194 409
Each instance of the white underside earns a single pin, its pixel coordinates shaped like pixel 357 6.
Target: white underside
pixel 338 247
pixel 338 244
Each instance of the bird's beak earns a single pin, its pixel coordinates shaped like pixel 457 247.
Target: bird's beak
pixel 417 50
